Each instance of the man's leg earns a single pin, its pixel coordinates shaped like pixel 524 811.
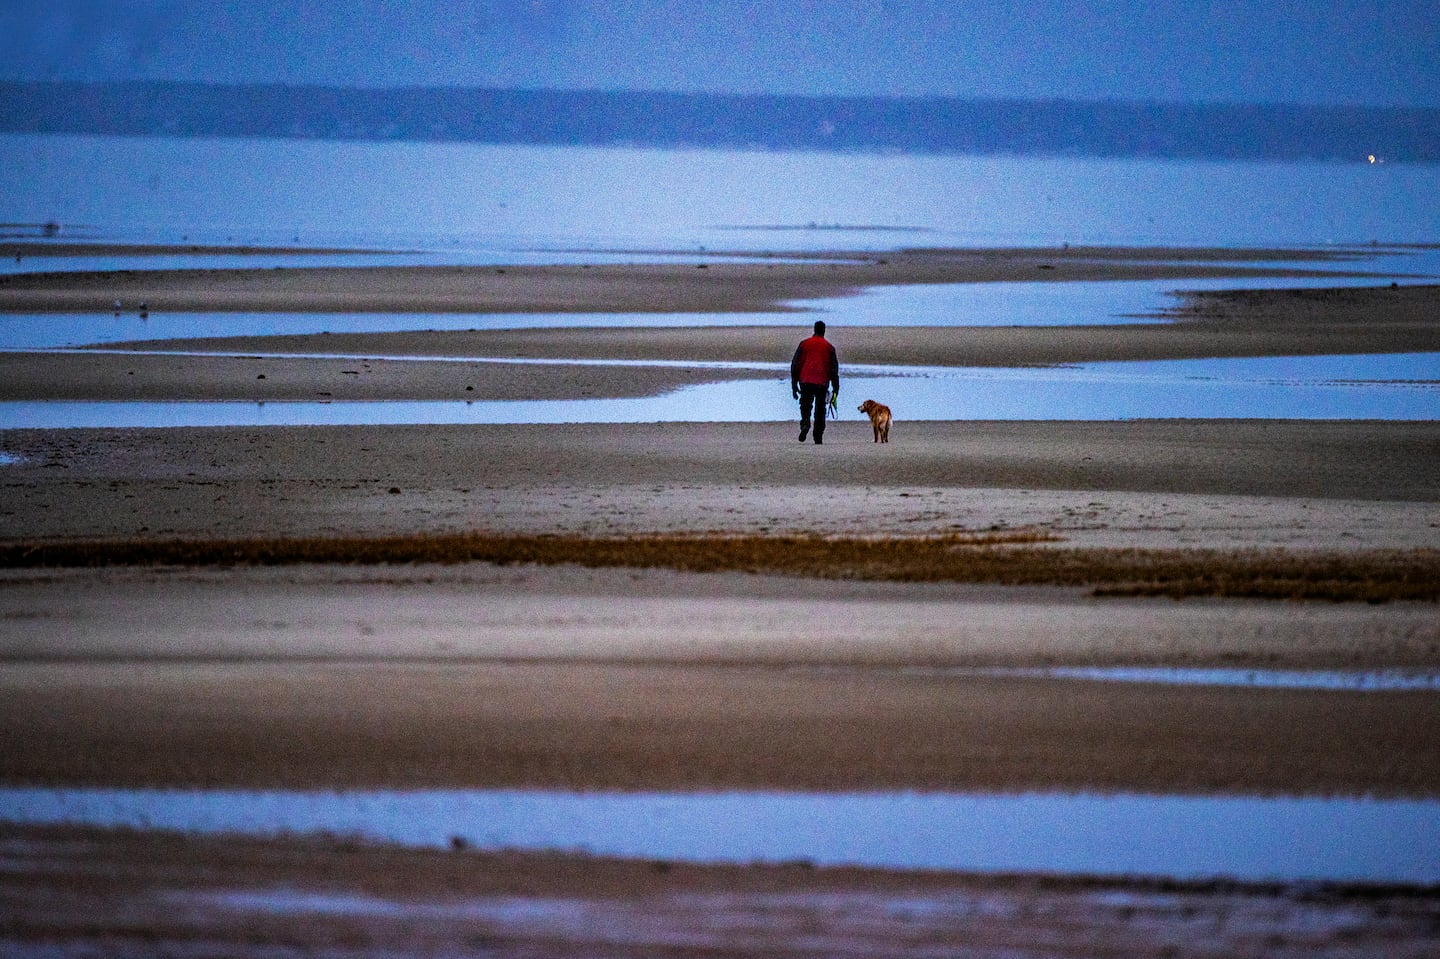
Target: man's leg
pixel 820 398
pixel 807 398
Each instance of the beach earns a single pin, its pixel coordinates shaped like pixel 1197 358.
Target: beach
pixel 635 672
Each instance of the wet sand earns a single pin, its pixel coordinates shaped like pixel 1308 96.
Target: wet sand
pixel 723 286
pixel 249 378
pixel 144 894
pixel 423 677
pixel 480 675
pixel 1159 484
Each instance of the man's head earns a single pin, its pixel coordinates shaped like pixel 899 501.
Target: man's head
pixel 819 327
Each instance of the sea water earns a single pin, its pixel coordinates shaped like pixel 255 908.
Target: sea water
pixel 1187 837
pixel 529 203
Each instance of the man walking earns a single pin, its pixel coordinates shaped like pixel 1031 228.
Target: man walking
pixel 814 368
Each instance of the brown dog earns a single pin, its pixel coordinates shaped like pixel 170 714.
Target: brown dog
pixel 879 415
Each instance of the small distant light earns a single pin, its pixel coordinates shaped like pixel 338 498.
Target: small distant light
pixel 1372 158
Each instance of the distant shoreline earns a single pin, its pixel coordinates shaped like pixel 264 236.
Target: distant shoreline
pixel 655 119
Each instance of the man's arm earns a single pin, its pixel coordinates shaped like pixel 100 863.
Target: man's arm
pixel 795 372
pixel 834 370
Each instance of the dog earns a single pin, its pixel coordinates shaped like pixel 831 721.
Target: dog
pixel 879 415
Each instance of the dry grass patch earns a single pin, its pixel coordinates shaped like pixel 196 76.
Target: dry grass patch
pixel 1009 558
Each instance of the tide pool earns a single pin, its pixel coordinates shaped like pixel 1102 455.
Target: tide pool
pixel 1186 837
pixel 1382 387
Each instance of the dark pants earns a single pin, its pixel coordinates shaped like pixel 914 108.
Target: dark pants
pixel 813 394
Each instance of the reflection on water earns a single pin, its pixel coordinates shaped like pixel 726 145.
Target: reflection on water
pixel 1061 304
pixel 1176 836
pixel 35 260
pixel 1384 680
pixel 1385 387
pixel 1002 304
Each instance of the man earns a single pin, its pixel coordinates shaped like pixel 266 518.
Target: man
pixel 813 369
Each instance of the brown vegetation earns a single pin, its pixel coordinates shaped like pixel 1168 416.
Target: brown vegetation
pixel 1009 558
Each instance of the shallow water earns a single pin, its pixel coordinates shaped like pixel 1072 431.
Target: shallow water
pixel 37 260
pixel 959 304
pixel 1304 838
pixel 1385 680
pixel 1097 303
pixel 63 330
pixel 1384 387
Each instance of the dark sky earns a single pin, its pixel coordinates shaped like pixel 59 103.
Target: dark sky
pixel 1373 52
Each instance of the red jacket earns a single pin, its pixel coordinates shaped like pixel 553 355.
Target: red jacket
pixel 815 363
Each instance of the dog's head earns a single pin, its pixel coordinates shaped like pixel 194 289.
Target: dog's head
pixel 866 406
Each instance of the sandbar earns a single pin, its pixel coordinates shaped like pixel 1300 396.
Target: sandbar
pixel 722 286
pixel 1154 484
pixel 372 366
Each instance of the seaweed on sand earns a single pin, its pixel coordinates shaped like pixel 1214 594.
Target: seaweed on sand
pixel 1017 557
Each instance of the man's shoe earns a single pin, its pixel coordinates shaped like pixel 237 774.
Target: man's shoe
pixel 804 431
pixel 819 441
